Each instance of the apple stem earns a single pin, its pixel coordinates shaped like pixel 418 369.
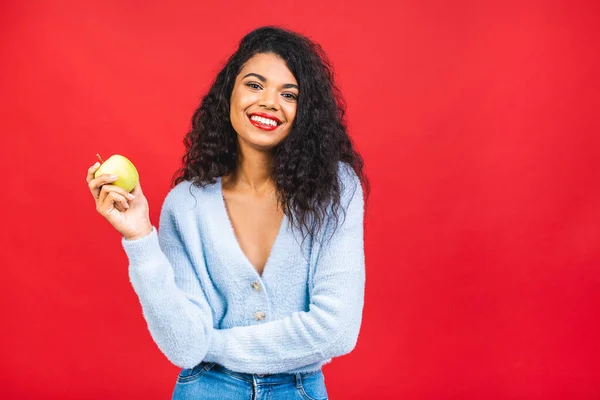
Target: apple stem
pixel 100 158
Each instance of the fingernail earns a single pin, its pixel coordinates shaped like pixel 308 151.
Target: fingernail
pixel 97 164
pixel 112 177
pixel 131 196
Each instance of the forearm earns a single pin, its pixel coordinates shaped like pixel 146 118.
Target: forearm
pixel 180 322
pixel 328 330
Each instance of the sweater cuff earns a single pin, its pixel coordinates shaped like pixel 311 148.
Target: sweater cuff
pixel 141 251
pixel 216 348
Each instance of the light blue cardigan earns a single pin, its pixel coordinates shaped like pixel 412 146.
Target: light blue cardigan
pixel 204 301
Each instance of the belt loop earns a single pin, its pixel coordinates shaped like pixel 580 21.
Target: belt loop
pixel 298 380
pixel 208 366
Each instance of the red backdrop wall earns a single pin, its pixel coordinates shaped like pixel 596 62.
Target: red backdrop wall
pixel 478 122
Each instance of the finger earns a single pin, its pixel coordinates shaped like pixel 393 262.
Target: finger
pixel 118 189
pixel 137 190
pixel 110 201
pixel 107 207
pixel 91 171
pixel 108 189
pixel 96 184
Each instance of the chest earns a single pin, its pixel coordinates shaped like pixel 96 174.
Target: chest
pixel 256 223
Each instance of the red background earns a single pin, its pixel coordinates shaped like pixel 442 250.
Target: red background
pixel 478 122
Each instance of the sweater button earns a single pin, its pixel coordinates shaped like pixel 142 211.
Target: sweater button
pixel 259 315
pixel 256 287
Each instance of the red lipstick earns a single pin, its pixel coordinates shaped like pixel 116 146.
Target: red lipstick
pixel 262 126
pixel 268 116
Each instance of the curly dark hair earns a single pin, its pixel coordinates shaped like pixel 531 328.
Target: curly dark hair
pixel 305 163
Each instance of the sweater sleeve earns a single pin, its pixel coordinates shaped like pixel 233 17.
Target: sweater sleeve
pixel 330 328
pixel 173 303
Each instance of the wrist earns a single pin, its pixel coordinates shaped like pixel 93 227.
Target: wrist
pixel 141 235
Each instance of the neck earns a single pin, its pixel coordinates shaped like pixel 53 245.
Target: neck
pixel 253 173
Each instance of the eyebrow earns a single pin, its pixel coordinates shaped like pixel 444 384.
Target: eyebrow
pixel 263 79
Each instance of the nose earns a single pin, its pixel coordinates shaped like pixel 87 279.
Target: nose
pixel 268 99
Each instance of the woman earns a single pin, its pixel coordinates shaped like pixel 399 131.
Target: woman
pixel 256 277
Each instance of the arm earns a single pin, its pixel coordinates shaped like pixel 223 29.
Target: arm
pixel 330 328
pixel 174 306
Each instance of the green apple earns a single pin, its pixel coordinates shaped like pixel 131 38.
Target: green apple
pixel 125 170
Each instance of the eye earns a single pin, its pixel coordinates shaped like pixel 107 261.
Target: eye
pixel 290 96
pixel 253 85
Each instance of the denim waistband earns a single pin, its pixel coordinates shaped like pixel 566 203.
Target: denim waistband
pixel 261 378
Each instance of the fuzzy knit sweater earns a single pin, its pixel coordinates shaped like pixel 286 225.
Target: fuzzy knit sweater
pixel 204 301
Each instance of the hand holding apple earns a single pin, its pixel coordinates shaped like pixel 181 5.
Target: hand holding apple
pixel 121 166
pixel 127 212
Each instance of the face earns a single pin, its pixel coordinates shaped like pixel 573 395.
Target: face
pixel 263 102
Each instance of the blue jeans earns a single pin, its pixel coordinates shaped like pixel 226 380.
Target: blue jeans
pixel 213 381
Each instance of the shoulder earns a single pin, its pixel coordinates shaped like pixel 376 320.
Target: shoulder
pixel 350 185
pixel 186 196
pixel 346 173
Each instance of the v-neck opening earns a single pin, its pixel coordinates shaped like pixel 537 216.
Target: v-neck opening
pixel 235 238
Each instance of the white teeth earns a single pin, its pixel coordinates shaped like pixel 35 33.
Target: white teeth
pixel 264 121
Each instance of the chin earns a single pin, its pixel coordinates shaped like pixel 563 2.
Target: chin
pixel 261 142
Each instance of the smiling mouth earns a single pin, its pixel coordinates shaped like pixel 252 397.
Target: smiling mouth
pixel 264 122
